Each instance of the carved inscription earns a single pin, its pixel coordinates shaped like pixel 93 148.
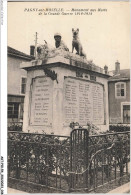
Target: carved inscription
pixel 41 102
pixel 83 102
pixel 71 101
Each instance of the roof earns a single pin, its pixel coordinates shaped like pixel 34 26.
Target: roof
pixel 124 75
pixel 19 54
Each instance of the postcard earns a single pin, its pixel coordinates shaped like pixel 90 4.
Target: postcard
pixel 68 97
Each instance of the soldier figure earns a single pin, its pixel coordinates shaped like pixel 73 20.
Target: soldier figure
pixel 59 43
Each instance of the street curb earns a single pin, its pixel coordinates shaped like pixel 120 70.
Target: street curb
pixel 122 189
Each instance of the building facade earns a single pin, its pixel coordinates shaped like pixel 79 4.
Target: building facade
pixel 16 84
pixel 119 96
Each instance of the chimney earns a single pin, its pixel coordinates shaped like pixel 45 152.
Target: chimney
pixel 106 69
pixel 117 68
pixel 32 50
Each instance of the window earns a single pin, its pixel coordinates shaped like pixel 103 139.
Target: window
pixel 126 114
pixel 23 85
pixel 13 109
pixel 120 90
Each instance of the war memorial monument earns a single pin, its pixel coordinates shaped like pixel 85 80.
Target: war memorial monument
pixel 64 88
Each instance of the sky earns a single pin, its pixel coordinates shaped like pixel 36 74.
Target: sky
pixel 104 35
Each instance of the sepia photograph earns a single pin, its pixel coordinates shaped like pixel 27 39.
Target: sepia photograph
pixel 68 97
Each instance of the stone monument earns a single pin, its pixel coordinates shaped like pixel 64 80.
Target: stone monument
pixel 64 88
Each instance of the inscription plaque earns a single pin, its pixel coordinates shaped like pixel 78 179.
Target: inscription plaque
pixel 41 101
pixel 83 102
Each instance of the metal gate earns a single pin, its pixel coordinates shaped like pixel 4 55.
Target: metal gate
pixel 79 159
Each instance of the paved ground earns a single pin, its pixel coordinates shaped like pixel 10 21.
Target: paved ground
pixel 13 191
pixel 122 189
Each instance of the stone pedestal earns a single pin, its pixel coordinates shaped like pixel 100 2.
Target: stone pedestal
pixel 79 94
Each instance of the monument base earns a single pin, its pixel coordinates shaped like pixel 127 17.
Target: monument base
pixel 66 92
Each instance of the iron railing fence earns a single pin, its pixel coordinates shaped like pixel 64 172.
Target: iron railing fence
pixel 57 161
pixel 39 159
pixel 108 161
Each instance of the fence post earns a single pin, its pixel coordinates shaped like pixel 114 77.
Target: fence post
pixel 9 158
pixel 18 152
pixel 87 158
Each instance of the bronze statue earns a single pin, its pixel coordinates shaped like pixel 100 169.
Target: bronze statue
pixel 59 43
